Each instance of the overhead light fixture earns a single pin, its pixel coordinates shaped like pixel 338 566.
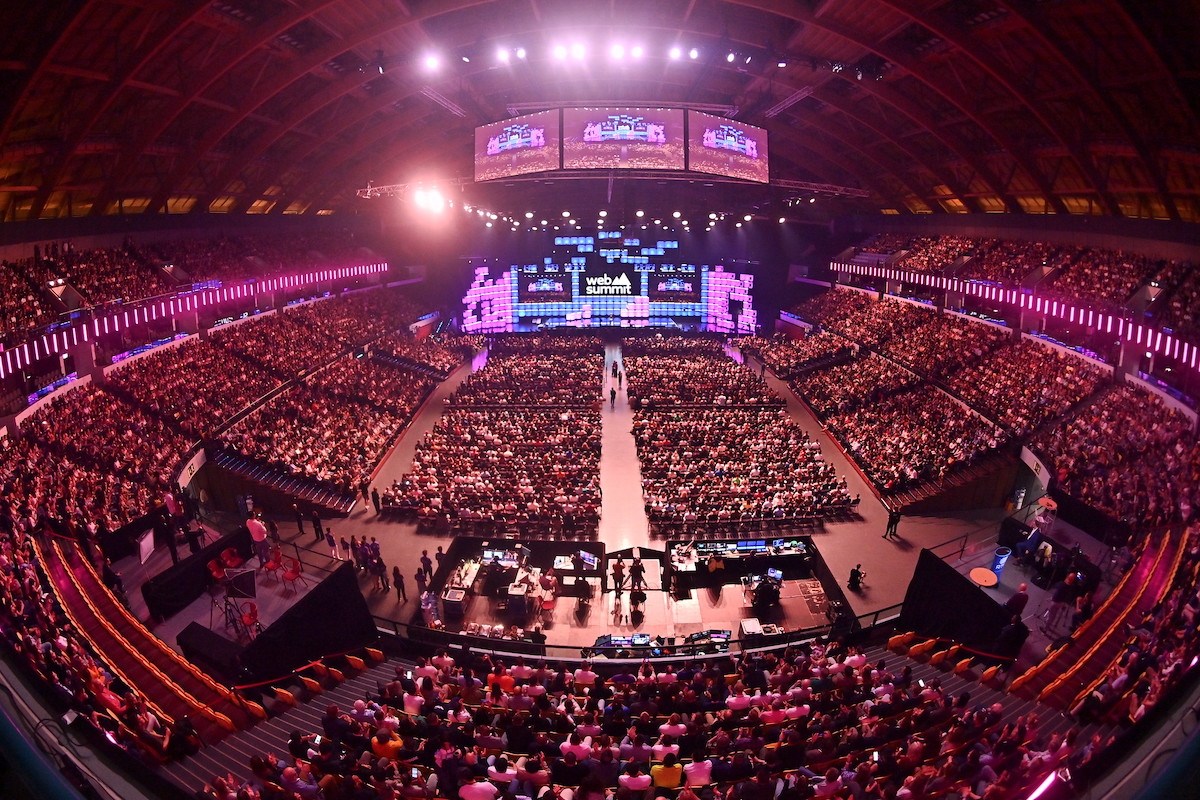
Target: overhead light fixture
pixel 812 199
pixel 781 220
pixel 747 61
pixel 730 57
pixel 747 218
pixel 528 215
pixel 617 51
pixel 432 62
pixel 502 55
pixel 545 222
pixel 604 213
pixel 781 63
pixel 712 215
pixel 560 52
pixel 640 213
pixel 466 59
pixel 693 54
pixel 566 213
pixel 638 51
pixel 675 53
pixel 521 52
pixel 739 225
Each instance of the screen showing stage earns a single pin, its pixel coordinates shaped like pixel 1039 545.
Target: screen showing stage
pixel 517 146
pixel 727 147
pixel 609 279
pixel 622 138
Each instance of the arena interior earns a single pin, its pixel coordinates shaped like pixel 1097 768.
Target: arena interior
pixel 552 400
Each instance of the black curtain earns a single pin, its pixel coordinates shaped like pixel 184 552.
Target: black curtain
pixel 942 602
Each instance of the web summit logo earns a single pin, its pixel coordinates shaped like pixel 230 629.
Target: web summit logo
pixel 608 285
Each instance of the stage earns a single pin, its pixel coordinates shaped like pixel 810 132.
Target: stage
pixel 475 600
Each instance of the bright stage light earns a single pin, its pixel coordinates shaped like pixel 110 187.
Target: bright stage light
pixel 781 220
pixel 730 57
pixel 638 51
pixel 617 51
pixel 747 218
pixel 544 222
pixel 528 215
pixel 712 215
pixel 432 62
pixel 566 213
pixel 676 214
pixel 521 52
pixel 675 53
pixel 578 51
pixel 560 52
pixel 739 225
pixel 641 213
pixel 604 213
pixel 693 54
pixel 502 55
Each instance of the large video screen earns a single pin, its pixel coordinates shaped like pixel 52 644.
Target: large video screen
pixel 723 146
pixel 543 283
pixel 622 138
pixel 674 283
pixel 517 146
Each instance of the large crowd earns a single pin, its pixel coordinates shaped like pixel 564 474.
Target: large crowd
pixel 787 356
pixel 669 381
pixel 1182 311
pixel 883 321
pixel 1130 455
pixel 336 426
pixel 1009 262
pixel 1024 384
pixel 914 437
pixel 944 344
pixel 812 721
pixel 848 386
pixel 935 253
pixel 22 305
pixel 230 257
pixel 442 354
pixel 1105 276
pixel 519 442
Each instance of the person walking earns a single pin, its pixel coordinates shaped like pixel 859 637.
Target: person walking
pixel 612 398
pixel 375 499
pixel 618 575
pixel 620 380
pixel 398 580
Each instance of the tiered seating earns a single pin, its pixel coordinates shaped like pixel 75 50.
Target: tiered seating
pixel 935 253
pixel 829 308
pixel 1009 262
pixel 944 344
pixel 1128 455
pixel 845 387
pixel 107 275
pixel 1105 276
pixel 1024 385
pixel 229 257
pixel 787 357
pixel 438 356
pixel 914 437
pixel 882 321
pixel 22 304
pixel 1182 313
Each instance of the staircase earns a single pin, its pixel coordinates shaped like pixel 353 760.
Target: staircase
pixel 233 754
pixel 329 501
pixel 980 484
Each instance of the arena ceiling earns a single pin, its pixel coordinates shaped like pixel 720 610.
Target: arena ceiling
pixel 289 106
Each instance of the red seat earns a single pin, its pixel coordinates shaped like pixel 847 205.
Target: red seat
pixel 274 563
pixel 293 571
pixel 216 571
pixel 249 614
pixel 231 559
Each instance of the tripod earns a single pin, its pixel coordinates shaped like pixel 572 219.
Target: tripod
pixel 223 608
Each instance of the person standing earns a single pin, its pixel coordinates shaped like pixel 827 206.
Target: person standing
pixel 398 579
pixel 375 499
pixel 439 555
pixel 620 380
pixel 420 579
pixel 315 518
pixel 258 535
pixel 426 564
pixel 332 543
pixel 616 368
pixel 612 398
pixel 1020 598
pixel 618 574
pixel 354 552
pixel 893 525
pixel 637 575
pixel 299 518
pixel 346 555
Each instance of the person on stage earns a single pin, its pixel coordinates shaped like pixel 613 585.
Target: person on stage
pixel 857 576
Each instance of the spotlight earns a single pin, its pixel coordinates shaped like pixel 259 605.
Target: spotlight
pixel 502 55
pixel 676 214
pixel 781 63
pixel 747 61
pixel 488 224
pixel 544 222
pixel 739 225
pixel 693 54
pixel 747 218
pixel 528 215
pixel 566 213
pixel 812 199
pixel 432 62
pixel 560 52
pixel 466 59
pixel 658 222
pixel 640 213
pixel 521 52
pixel 781 220
pixel 730 57
pixel 570 222
pixel 604 213
pixel 713 215
pixel 617 51
pixel 638 51
pixel 675 53
pixel 578 51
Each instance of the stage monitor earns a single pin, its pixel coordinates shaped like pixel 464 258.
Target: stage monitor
pixel 775 574
pixel 723 146
pixel 589 560
pixel 675 283
pixel 517 146
pixel 622 138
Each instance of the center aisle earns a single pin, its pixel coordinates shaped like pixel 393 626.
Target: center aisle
pixel 623 522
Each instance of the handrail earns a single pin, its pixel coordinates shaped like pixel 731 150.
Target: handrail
pixel 961 549
pixel 296 671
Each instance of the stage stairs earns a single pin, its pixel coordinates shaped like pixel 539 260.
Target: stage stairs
pixel 981 484
pixel 331 502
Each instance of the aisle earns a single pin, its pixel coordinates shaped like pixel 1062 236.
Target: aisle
pixel 623 521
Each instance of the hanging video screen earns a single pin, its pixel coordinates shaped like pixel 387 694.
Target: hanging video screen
pixel 517 146
pixel 723 146
pixel 623 138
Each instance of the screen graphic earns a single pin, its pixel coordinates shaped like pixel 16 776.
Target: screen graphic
pixel 722 146
pixel 623 138
pixel 517 146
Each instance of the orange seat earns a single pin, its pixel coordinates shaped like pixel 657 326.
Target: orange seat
pixel 216 571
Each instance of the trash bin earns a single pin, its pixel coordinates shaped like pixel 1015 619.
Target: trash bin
pixel 1000 559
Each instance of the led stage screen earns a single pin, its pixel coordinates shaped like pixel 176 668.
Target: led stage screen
pixel 674 283
pixel 517 146
pixel 543 283
pixel 723 146
pixel 622 138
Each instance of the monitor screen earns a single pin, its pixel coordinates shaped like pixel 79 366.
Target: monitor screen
pixel 776 574
pixel 622 138
pixel 641 639
pixel 727 147
pixel 589 560
pixel 517 146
